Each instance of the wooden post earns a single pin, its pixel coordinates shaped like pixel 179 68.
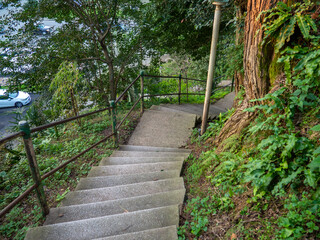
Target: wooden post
pixel 24 127
pixel 114 123
pixel 142 93
pixel 179 95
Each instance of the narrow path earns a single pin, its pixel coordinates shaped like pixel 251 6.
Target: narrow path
pixel 136 193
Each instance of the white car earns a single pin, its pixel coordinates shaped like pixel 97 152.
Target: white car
pixel 15 99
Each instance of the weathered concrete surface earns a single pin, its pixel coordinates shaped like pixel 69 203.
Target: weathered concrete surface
pixel 135 160
pixel 148 154
pixel 151 149
pixel 108 226
pixel 163 129
pixel 215 109
pixel 226 102
pixel 165 233
pixel 117 180
pixel 123 191
pixel 134 168
pixel 112 207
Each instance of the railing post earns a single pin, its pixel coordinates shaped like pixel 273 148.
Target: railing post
pixel 187 90
pixel 179 95
pixel 232 83
pixel 142 92
pixel 114 122
pixel 25 128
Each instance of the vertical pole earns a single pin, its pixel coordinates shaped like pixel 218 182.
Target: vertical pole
pixel 114 122
pixel 213 51
pixel 232 83
pixel 142 92
pixel 179 95
pixel 25 128
pixel 187 87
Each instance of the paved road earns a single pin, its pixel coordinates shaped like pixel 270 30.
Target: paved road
pixel 7 115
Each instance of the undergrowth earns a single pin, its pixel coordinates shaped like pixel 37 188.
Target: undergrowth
pixel 265 185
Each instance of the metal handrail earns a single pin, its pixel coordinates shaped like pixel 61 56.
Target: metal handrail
pixel 131 109
pixel 49 125
pixel 27 137
pixel 126 90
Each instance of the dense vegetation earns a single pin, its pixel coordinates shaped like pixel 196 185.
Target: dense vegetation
pixel 264 183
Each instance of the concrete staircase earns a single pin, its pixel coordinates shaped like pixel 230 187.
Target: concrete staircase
pixel 134 194
pixel 197 109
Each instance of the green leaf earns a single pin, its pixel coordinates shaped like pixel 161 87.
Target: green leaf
pixel 317 151
pixel 316 128
pixel 285 34
pixel 310 178
pixel 303 25
pixel 306 59
pixel 311 23
pixel 315 164
pixel 287 233
pixel 276 24
pixel 284 6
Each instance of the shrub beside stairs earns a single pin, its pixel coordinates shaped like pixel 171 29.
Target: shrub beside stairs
pixel 134 194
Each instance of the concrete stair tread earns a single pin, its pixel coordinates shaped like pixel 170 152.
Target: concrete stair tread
pixel 148 154
pixel 112 207
pixel 166 233
pixel 196 109
pixel 152 149
pixel 122 191
pixel 137 160
pixel 163 129
pixel 116 180
pixel 108 225
pixel 134 168
pixel 164 108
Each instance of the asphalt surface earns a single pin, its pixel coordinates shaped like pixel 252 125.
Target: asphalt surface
pixel 7 116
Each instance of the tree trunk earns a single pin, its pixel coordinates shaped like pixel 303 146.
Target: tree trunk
pixel 241 9
pixel 256 64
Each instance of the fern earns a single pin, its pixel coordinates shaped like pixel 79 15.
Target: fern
pixel 303 25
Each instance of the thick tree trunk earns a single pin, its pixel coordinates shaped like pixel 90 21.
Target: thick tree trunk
pixel 256 64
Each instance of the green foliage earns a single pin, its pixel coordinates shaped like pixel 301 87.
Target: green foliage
pixel 282 22
pixel 301 220
pixel 286 157
pixel 64 87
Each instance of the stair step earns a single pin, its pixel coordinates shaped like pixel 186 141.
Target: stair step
pixel 148 154
pixel 108 226
pixel 163 129
pixel 151 149
pixel 166 233
pixel 116 180
pixel 135 160
pixel 134 168
pixel 100 209
pixel 186 108
pixel 123 191
pixel 164 108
